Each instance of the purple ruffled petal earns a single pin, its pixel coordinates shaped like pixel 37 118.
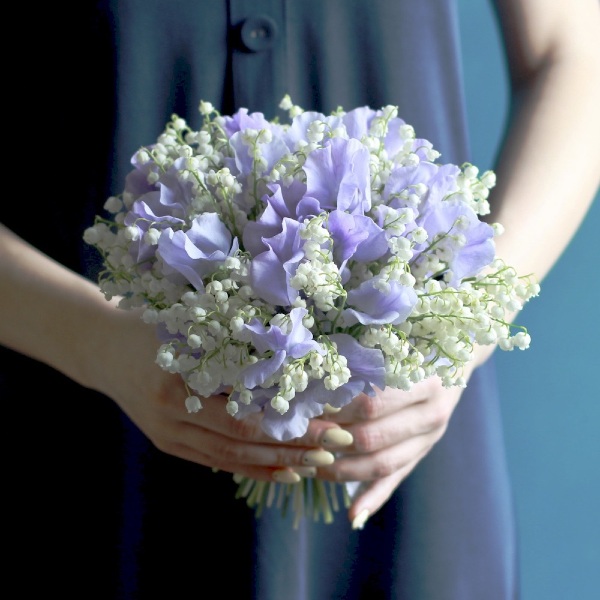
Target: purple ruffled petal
pixel 370 306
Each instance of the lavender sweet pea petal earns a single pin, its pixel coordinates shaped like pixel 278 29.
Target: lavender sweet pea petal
pixel 439 220
pixel 180 256
pixel 266 338
pixel 271 280
pixel 210 234
pixel 297 342
pixel 136 182
pixel 479 252
pixel 318 395
pixel 260 398
pixel 394 142
pixel 421 147
pixel 369 306
pixel 142 216
pixel 271 152
pixel 281 203
pixel 298 128
pixel 257 373
pixel 174 195
pixel 346 234
pixel 338 176
pixel 375 244
pixel 365 364
pixel 300 340
pixel 243 119
pixel 293 423
pixel 271 270
pixel 402 177
pixel 147 210
pixel 442 183
pixel 479 249
pixel 198 253
pixel 358 121
pixel 304 406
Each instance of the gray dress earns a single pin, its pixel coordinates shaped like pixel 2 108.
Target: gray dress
pixel 133 522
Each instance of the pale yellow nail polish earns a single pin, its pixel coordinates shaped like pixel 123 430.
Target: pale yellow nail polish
pixel 317 458
pixel 306 471
pixel 360 519
pixel 330 409
pixel 335 437
pixel 285 476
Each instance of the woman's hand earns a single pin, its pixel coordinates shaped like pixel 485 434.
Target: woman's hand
pixel 55 316
pixel 125 370
pixel 393 431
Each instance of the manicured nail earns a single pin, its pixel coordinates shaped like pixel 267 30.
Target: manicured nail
pixel 335 437
pixel 306 471
pixel 330 409
pixel 360 519
pixel 317 458
pixel 285 476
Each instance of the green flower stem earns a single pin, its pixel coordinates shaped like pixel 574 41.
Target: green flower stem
pixel 311 498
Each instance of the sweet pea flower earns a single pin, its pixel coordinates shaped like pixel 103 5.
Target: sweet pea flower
pixel 270 271
pixel 355 236
pixel 282 202
pixel 371 304
pixel 338 176
pixel 243 119
pixel 295 342
pixel 367 368
pixel 476 249
pixel 297 132
pixel 190 256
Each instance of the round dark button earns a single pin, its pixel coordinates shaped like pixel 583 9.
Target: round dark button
pixel 258 33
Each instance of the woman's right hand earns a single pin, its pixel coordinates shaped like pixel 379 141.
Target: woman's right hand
pixel 125 370
pixel 54 315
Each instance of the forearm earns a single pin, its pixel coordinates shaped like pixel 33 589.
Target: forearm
pixel 548 169
pixel 49 313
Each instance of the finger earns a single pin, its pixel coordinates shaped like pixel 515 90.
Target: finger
pixel 375 494
pixel 428 417
pixel 255 472
pixel 217 450
pixel 378 465
pixel 382 403
pixel 213 416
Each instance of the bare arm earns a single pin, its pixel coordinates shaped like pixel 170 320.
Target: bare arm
pixel 549 167
pixel 48 311
pixel 548 173
pixel 55 316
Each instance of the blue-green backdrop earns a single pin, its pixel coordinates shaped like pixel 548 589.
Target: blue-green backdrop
pixel 551 392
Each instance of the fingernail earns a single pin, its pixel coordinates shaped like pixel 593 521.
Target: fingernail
pixel 317 458
pixel 285 476
pixel 360 519
pixel 337 437
pixel 306 471
pixel 330 409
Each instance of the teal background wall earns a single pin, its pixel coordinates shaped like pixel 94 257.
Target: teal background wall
pixel 551 392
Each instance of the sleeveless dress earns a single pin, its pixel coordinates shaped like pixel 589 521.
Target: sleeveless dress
pixel 100 513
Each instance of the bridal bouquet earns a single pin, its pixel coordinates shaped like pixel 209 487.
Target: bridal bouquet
pixel 292 266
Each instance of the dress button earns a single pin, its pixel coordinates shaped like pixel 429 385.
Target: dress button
pixel 258 33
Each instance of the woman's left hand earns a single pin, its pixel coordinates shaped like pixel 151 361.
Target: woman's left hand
pixel 392 430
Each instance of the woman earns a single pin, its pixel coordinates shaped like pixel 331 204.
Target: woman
pixel 118 499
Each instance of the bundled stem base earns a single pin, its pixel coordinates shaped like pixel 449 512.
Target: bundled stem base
pixel 312 498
